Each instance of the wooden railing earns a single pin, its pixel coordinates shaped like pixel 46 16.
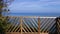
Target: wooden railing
pixel 31 25
pixel 58 25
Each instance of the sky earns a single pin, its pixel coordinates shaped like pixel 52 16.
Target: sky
pixel 35 6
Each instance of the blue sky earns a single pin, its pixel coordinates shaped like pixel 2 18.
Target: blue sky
pixel 35 6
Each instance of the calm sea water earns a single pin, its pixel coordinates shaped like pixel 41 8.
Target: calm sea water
pixel 33 14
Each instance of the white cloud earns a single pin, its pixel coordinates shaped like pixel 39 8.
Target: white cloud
pixel 42 5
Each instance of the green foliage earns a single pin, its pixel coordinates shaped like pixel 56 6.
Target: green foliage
pixel 3 20
pixel 3 24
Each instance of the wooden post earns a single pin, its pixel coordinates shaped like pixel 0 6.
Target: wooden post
pixel 38 25
pixel 21 24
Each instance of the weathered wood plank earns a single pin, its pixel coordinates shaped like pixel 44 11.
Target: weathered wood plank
pixel 21 24
pixel 25 33
pixel 39 25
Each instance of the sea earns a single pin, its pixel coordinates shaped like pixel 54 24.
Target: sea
pixel 33 14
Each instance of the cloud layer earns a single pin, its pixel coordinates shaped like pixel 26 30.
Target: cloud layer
pixel 35 6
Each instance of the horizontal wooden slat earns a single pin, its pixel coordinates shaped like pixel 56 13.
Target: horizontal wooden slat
pixel 25 33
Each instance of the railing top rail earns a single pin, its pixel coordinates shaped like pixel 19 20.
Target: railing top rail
pixel 32 17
